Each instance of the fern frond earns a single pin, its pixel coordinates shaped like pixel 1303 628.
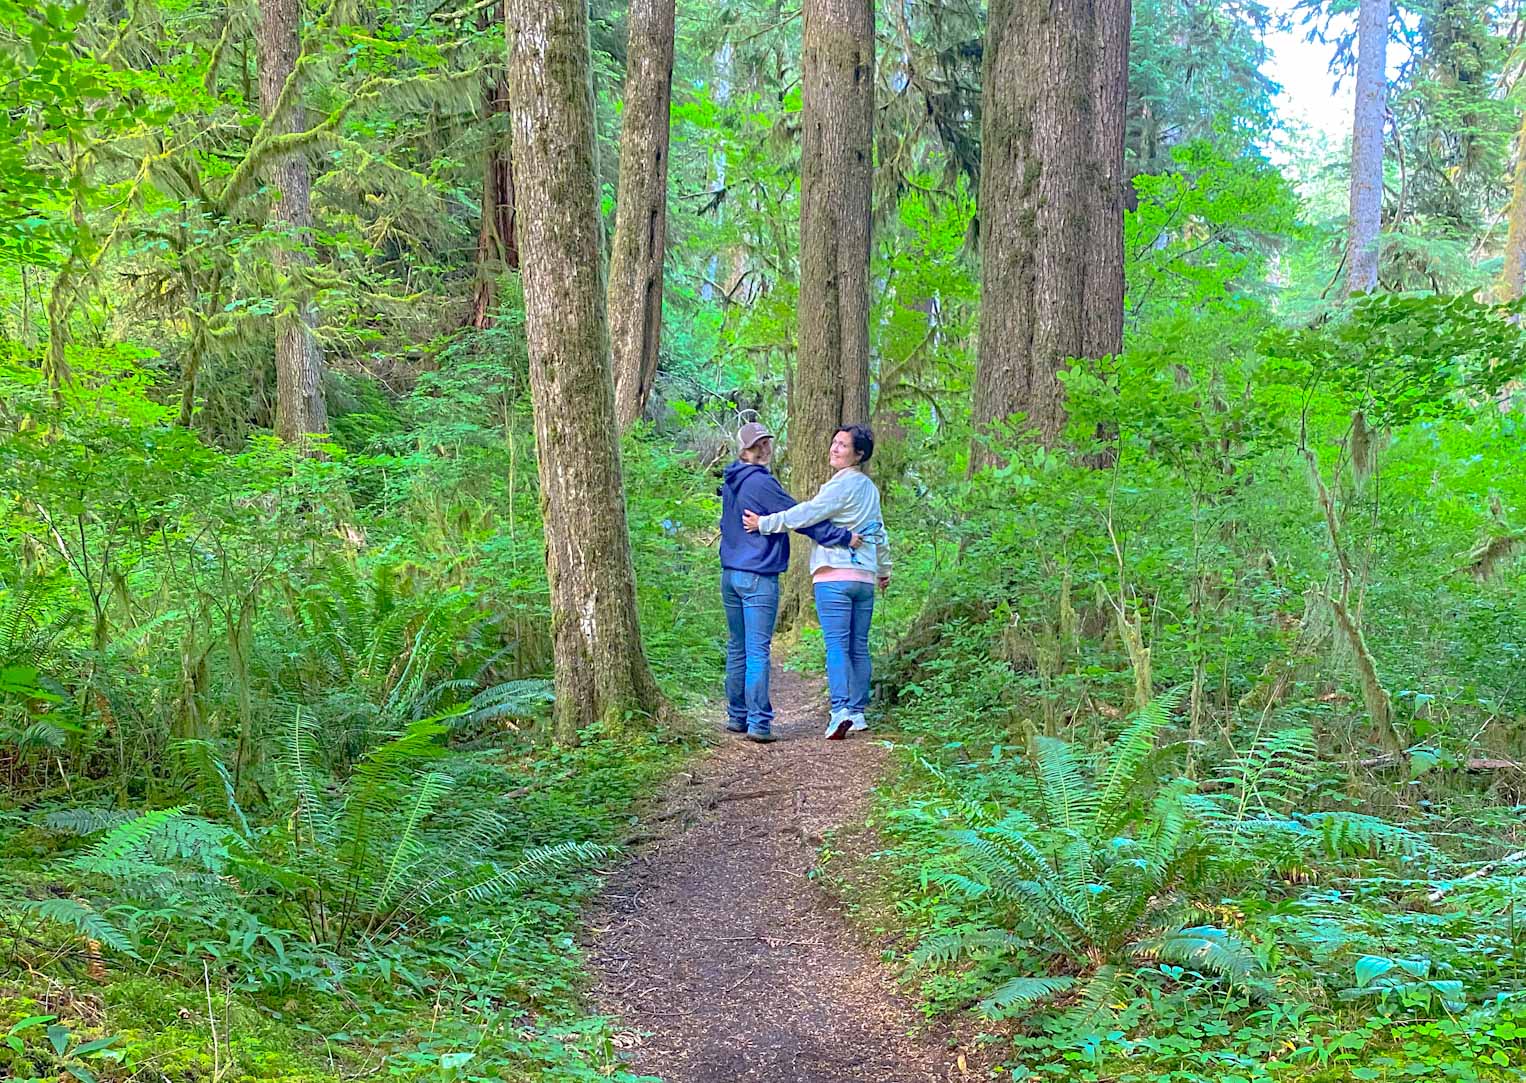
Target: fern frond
pixel 1269 778
pixel 45 733
pixel 190 838
pixel 398 760
pixel 126 845
pixel 215 776
pixel 82 919
pixel 299 756
pixel 411 847
pixel 1007 871
pixel 946 947
pixel 1096 999
pixel 84 821
pixel 1353 834
pixel 444 691
pixel 1206 949
pixel 1014 995
pixel 1077 863
pixel 1167 828
pixel 536 864
pixel 1069 800
pixel 512 699
pixel 1130 752
pixel 965 885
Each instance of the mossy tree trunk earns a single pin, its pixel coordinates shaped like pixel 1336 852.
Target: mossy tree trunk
pixel 1512 279
pixel 1367 147
pixel 497 245
pixel 831 380
pixel 300 408
pixel 601 667
pixel 1051 204
pixel 641 213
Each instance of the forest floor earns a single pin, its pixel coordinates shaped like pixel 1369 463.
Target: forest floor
pixel 717 949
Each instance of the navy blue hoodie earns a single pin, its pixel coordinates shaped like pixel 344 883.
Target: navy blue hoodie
pixel 750 487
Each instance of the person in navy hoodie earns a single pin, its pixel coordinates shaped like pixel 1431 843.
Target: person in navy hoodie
pixel 750 568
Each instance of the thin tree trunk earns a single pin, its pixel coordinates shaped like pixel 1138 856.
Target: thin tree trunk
pixel 722 97
pixel 1367 147
pixel 831 382
pixel 641 211
pixel 601 668
pixel 497 245
pixel 1110 93
pixel 300 408
pixel 1513 274
pixel 1051 205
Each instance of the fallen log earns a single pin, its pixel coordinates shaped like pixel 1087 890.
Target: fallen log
pixel 1478 874
pixel 1475 763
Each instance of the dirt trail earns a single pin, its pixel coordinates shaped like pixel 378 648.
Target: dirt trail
pixel 722 959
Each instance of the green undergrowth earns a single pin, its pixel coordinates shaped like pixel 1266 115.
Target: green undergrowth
pixel 1147 817
pixel 485 989
pixel 278 796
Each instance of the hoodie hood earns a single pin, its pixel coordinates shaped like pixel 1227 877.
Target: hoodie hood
pixel 738 472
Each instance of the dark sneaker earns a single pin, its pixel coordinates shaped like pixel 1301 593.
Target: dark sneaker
pixel 837 729
pixel 736 727
pixel 763 737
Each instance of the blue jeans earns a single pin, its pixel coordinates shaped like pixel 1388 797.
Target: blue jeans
pixel 845 610
pixel 752 608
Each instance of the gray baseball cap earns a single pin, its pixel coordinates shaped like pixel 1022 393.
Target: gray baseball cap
pixel 750 433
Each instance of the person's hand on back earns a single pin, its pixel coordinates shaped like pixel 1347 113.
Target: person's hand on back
pixel 750 521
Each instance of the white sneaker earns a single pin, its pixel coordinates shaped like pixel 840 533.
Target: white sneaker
pixel 859 726
pixel 837 729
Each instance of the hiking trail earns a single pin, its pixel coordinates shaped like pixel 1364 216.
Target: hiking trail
pixel 721 959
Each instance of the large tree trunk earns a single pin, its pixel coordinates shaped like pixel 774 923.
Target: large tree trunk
pixel 1513 273
pixel 831 380
pixel 641 213
pixel 836 177
pixel 601 668
pixel 1051 205
pixel 497 245
pixel 1367 147
pixel 300 408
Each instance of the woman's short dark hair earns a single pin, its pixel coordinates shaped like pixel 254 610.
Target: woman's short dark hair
pixel 863 440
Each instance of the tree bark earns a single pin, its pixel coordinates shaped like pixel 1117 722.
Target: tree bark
pixel 1110 93
pixel 601 668
pixel 1513 273
pixel 836 175
pixel 831 381
pixel 1052 189
pixel 300 408
pixel 497 245
pixel 641 210
pixel 1367 147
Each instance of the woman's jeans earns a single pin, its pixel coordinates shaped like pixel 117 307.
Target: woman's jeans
pixel 752 608
pixel 845 610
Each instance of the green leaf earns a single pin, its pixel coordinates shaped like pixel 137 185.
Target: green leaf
pixel 58 1036
pixel 1371 967
pixel 29 1022
pixel 95 1046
